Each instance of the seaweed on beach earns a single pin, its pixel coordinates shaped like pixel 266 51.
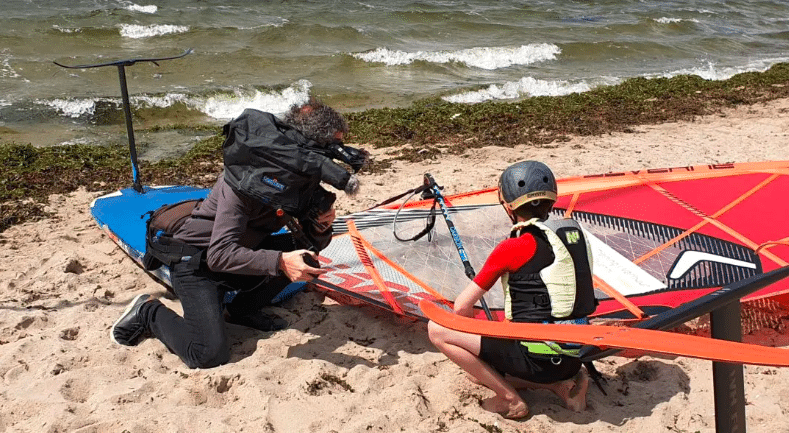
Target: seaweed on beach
pixel 30 174
pixel 421 131
pixel 539 121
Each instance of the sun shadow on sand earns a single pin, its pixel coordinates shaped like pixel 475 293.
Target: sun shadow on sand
pixel 345 336
pixel 635 389
pixel 350 336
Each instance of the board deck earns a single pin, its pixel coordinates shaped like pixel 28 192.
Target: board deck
pixel 614 337
pixel 122 216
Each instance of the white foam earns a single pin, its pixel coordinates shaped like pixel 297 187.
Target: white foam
pixel 164 101
pixel 222 107
pixel 6 70
pixel 480 57
pixel 666 20
pixel 526 86
pixel 67 30
pixel 71 107
pixel 529 86
pixel 711 71
pixel 149 9
pixel 231 106
pixel 136 31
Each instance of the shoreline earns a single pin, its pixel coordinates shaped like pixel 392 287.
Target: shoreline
pixel 428 131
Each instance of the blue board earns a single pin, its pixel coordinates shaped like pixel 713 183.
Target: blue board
pixel 123 216
pixel 123 213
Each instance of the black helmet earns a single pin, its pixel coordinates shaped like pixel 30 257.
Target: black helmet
pixel 527 181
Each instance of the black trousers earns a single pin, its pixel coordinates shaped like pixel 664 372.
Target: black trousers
pixel 199 337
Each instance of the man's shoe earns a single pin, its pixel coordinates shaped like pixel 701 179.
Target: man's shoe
pixel 260 321
pixel 130 329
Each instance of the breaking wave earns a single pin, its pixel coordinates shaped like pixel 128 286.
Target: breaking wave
pixel 489 58
pixel 136 31
pixel 219 106
pixel 526 86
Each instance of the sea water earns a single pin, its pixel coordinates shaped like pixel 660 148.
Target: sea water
pixel 352 54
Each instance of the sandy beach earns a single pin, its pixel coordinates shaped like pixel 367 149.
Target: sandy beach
pixel 338 368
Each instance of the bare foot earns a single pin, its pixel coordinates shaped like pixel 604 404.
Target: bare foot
pixel 510 410
pixel 573 391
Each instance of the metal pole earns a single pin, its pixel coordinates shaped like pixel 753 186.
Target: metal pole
pixel 121 64
pixel 129 129
pixel 469 270
pixel 727 379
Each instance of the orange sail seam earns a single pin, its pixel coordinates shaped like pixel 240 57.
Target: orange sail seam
pixel 770 244
pixel 370 267
pixel 568 213
pixel 405 273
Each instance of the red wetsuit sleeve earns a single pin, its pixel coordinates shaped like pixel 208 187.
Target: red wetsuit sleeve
pixel 508 256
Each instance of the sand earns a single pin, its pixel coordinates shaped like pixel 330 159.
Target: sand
pixel 337 368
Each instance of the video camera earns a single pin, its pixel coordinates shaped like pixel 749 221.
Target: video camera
pixel 271 161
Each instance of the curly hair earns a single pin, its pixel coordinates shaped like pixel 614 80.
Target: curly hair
pixel 316 121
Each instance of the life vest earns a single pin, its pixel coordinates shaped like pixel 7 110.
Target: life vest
pixel 555 286
pixel 557 283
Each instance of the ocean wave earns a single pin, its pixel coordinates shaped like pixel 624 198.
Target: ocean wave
pixel 480 57
pixel 67 30
pixel 667 20
pixel 274 22
pixel 136 31
pixel 229 106
pixel 149 9
pixel 526 86
pixel 74 108
pixel 713 72
pixel 220 106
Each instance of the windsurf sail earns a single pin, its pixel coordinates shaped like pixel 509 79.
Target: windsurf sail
pixel 661 238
